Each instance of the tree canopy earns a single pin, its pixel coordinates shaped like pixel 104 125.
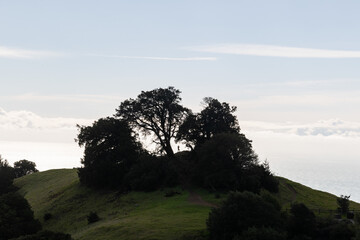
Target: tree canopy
pixel 110 150
pixel 215 118
pixel 6 176
pixel 157 112
pixel 24 167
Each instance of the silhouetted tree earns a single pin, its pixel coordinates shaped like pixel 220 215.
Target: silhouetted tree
pixel 16 217
pixel 215 118
pixel 24 167
pixel 6 176
pixel 343 203
pixel 223 160
pixel 110 150
pixel 156 112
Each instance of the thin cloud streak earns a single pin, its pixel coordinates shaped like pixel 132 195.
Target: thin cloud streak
pixel 16 53
pixel 275 51
pixel 158 58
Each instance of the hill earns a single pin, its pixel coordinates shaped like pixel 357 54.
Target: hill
pixel 137 215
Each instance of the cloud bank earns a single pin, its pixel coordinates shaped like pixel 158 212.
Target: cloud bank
pixel 326 128
pixel 275 51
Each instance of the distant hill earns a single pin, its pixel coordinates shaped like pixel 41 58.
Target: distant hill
pixel 137 215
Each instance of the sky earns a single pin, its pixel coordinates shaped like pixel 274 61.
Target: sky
pixel 290 67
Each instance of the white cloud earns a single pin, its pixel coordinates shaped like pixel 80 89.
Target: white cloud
pixel 6 52
pixel 158 58
pixel 275 51
pixel 327 128
pixel 29 120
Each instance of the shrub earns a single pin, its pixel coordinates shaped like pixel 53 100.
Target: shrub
pixel 92 217
pixel 241 211
pixel 302 221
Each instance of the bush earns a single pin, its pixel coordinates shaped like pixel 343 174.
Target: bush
pixel 341 231
pixel 92 217
pixel 302 221
pixel 241 211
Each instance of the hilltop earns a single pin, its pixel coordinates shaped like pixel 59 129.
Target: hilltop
pixel 137 215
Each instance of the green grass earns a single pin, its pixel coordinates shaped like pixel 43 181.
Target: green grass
pixel 136 215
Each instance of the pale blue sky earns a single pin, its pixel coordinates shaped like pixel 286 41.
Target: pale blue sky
pixel 291 67
pixel 90 48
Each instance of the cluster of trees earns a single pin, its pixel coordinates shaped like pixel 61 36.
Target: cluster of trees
pixel 219 156
pixel 16 217
pixel 249 216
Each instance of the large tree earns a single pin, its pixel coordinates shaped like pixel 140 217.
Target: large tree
pixel 157 112
pixel 24 167
pixel 6 176
pixel 215 118
pixel 110 150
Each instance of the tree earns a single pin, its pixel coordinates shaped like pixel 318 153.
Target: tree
pixel 24 167
pixel 215 118
pixel 343 203
pixel 6 176
pixel 223 162
pixel 156 112
pixel 110 150
pixel 16 217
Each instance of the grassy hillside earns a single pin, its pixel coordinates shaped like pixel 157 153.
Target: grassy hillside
pixel 135 215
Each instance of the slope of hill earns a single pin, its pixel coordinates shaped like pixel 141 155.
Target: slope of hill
pixel 136 215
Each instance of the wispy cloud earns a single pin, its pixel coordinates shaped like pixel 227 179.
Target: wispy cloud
pixel 64 98
pixel 275 51
pixel 6 52
pixel 158 58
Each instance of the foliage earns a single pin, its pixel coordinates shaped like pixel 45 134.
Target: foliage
pixel 92 217
pixel 343 203
pixel 24 167
pixel 110 150
pixel 156 112
pixel 227 162
pixel 150 173
pixel 16 217
pixel 302 221
pixel 46 235
pixel 6 176
pixel 239 212
pixel 215 118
